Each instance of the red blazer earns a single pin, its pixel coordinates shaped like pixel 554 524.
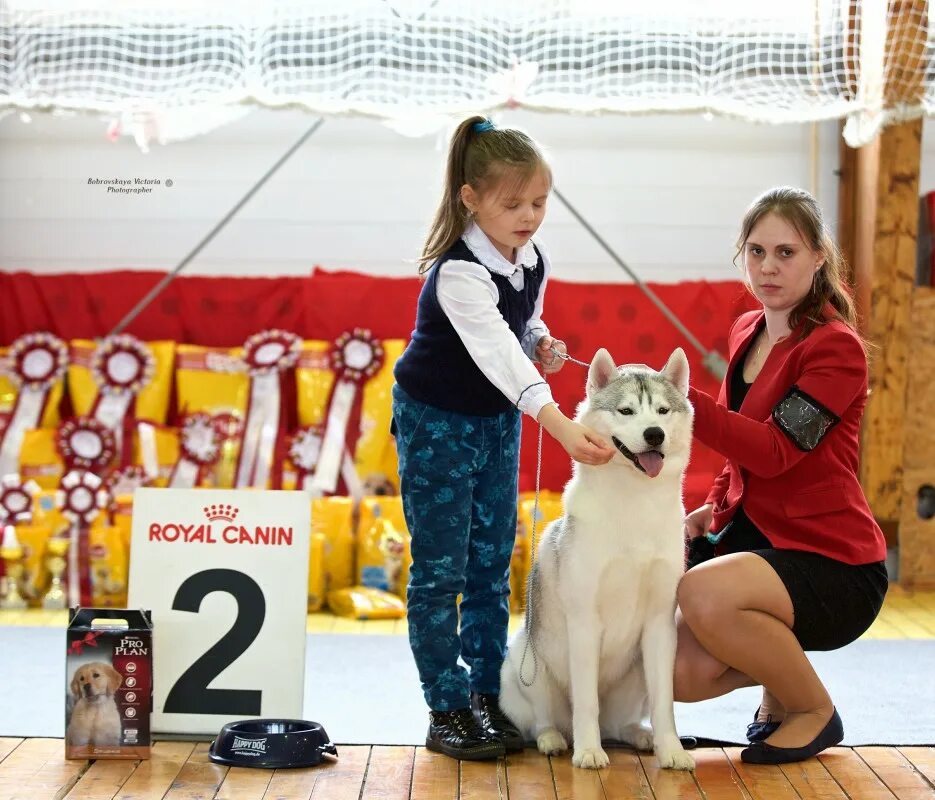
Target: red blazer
pixel 800 499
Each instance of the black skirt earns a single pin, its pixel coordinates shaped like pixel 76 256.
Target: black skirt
pixel 834 602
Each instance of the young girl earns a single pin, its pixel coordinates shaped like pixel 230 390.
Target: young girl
pixel 460 387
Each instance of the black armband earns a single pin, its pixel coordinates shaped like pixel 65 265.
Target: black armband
pixel 803 419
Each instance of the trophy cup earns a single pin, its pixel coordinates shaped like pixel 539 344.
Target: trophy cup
pixel 12 555
pixel 57 548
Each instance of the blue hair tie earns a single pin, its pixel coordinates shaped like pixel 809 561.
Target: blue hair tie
pixel 481 127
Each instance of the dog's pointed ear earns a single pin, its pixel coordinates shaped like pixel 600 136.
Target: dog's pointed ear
pixel 676 370
pixel 601 372
pixel 114 679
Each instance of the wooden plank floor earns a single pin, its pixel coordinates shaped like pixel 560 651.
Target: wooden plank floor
pixel 35 769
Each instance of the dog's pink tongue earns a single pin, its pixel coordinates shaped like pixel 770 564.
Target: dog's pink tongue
pixel 650 461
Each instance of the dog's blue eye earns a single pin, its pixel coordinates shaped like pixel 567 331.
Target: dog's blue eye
pixel 663 410
pixel 625 411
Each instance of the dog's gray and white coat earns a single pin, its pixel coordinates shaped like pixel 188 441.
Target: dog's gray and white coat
pixel 602 590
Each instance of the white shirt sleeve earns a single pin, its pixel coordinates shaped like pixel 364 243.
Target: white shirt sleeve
pixel 469 298
pixel 536 328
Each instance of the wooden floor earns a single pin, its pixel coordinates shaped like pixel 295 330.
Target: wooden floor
pixel 34 769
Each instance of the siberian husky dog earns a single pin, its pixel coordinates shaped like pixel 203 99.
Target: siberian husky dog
pixel 596 653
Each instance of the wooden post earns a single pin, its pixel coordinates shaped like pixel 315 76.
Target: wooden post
pixel 895 227
pixel 917 530
pixel 893 276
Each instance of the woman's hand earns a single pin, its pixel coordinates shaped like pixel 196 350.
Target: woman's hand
pixel 544 355
pixel 698 523
pixel 580 442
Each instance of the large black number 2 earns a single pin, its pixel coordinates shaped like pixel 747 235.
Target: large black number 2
pixel 191 694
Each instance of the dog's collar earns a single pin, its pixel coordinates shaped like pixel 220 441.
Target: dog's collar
pixel 629 454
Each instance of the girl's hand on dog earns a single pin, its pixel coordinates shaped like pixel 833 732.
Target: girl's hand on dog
pixel 580 442
pixel 698 523
pixel 544 355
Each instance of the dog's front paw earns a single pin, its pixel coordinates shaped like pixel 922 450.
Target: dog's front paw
pixel 674 758
pixel 550 742
pixel 639 736
pixel 590 758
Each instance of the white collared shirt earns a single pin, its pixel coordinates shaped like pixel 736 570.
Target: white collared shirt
pixel 469 298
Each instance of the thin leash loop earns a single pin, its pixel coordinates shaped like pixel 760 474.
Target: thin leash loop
pixel 532 543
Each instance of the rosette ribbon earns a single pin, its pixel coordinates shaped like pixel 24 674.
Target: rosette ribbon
pixel 125 481
pixel 80 497
pixel 121 366
pixel 199 448
pixel 15 506
pixel 304 452
pixel 86 443
pixel 16 497
pixel 266 356
pixel 35 362
pixel 356 357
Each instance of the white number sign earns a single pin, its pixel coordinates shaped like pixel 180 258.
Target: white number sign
pixel 225 574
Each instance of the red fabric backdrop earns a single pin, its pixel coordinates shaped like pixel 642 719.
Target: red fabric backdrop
pixel 222 311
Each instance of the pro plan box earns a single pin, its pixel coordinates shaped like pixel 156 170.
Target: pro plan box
pixel 108 683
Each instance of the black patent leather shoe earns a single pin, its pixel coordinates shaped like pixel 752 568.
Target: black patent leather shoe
pixel 457 734
pixel 758 730
pixel 495 723
pixel 763 753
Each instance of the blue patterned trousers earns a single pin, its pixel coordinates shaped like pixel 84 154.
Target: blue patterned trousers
pixel 458 480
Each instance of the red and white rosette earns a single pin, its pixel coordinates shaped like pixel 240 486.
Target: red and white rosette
pixel 199 448
pixel 80 498
pixel 16 498
pixel 356 357
pixel 266 356
pixel 86 443
pixel 121 366
pixel 304 452
pixel 35 361
pixel 127 480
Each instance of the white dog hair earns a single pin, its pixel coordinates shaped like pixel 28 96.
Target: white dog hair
pixel 598 643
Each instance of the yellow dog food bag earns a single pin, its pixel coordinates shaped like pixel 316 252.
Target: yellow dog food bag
pixel 550 508
pixel 152 403
pixel 364 602
pixel 332 518
pixel 375 452
pixel 205 382
pixel 35 578
pixel 108 563
pixel 39 459
pixel 384 557
pixel 316 572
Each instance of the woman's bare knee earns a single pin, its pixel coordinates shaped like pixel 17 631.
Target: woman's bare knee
pixel 695 668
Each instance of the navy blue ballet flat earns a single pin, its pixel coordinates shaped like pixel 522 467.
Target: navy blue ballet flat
pixel 763 753
pixel 757 731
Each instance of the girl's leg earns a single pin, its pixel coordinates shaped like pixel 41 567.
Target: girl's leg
pixel 434 469
pixel 740 613
pixel 485 608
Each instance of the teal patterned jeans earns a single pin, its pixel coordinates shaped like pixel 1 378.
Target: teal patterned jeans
pixel 458 480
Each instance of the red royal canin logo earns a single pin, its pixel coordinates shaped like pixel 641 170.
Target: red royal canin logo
pixel 222 527
pixel 228 513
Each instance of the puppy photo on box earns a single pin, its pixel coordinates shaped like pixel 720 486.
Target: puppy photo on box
pixel 92 717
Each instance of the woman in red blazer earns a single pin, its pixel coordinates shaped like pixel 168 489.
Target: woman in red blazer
pixel 785 554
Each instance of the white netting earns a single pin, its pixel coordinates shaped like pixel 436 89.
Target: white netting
pixel 794 60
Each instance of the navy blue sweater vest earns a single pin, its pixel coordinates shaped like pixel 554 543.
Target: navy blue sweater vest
pixel 436 368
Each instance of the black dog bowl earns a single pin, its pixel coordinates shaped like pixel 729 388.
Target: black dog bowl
pixel 271 743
